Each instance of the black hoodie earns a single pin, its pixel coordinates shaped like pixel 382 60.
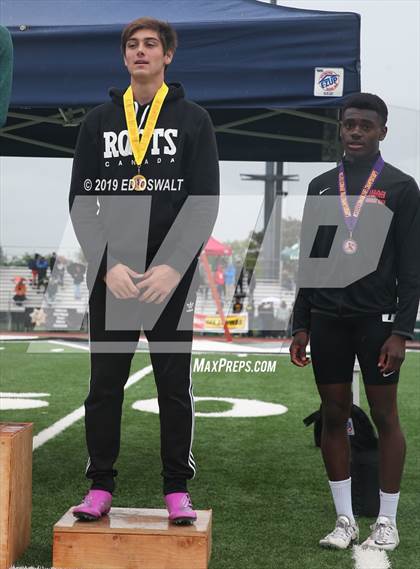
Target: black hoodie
pixel 181 162
pixel 394 287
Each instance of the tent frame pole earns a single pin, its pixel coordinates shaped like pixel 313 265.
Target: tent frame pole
pixel 68 118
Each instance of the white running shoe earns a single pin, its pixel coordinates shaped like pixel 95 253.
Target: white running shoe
pixel 384 535
pixel 344 534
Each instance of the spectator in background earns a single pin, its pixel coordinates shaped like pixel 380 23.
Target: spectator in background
pixel 239 277
pixel 52 289
pixel 251 284
pixel 283 314
pixel 42 267
pixel 204 282
pixel 60 269
pixel 237 306
pixel 34 269
pixel 77 272
pixel 219 279
pixel 53 259
pixel 229 275
pixel 20 291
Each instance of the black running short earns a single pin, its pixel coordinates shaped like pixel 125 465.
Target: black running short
pixel 336 341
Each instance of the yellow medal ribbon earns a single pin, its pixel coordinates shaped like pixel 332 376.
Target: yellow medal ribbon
pixel 140 146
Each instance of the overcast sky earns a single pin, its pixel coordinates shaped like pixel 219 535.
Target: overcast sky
pixel 33 197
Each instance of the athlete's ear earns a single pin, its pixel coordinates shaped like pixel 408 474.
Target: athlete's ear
pixel 168 56
pixel 384 131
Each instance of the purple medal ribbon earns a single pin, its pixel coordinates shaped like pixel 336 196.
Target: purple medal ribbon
pixel 351 218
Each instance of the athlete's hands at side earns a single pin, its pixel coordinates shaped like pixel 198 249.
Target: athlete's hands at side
pixel 392 354
pixel 298 349
pixel 119 280
pixel 157 283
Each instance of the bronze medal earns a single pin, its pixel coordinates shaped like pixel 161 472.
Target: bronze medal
pixel 350 246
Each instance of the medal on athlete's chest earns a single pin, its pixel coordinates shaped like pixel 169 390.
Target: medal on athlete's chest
pixel 138 183
pixel 350 245
pixel 139 146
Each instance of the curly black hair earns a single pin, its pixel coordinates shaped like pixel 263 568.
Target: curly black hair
pixel 366 101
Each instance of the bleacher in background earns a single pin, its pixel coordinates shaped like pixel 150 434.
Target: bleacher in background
pixel 264 288
pixel 67 313
pixel 63 311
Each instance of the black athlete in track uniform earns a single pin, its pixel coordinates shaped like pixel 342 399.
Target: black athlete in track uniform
pixel 371 318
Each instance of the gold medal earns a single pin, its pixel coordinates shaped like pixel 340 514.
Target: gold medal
pixel 138 183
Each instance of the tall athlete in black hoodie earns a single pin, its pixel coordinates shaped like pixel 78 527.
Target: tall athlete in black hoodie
pixel 142 207
pixel 371 317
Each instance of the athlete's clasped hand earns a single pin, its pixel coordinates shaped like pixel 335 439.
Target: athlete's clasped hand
pixel 153 286
pixel 157 283
pixel 119 280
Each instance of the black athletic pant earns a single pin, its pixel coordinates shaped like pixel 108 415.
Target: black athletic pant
pixel 172 371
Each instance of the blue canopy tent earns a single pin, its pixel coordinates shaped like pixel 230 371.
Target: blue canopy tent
pixel 268 75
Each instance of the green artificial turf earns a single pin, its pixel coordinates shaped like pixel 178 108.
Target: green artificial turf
pixel 263 477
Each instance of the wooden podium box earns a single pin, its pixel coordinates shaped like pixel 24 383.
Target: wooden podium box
pixel 15 490
pixel 129 538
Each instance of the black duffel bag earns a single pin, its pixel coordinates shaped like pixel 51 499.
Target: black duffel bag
pixel 364 459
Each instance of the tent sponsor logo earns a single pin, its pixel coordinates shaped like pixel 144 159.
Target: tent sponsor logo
pixel 329 82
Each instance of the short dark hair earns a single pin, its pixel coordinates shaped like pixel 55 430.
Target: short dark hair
pixel 366 101
pixel 166 32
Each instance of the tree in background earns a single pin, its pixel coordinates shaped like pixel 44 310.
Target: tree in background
pixel 3 257
pixel 290 233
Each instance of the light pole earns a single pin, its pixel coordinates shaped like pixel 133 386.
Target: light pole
pixel 273 206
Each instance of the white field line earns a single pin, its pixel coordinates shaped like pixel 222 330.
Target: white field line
pixel 17 395
pixel 370 558
pixel 8 338
pixel 70 345
pixel 197 349
pixel 62 424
